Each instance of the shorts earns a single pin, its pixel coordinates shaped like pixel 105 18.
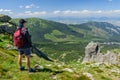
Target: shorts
pixel 24 51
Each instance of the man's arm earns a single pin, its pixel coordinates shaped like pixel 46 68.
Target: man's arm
pixel 28 36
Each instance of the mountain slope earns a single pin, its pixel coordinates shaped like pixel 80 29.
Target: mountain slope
pixel 47 31
pixel 67 42
pixel 9 69
pixel 99 31
pixel 43 30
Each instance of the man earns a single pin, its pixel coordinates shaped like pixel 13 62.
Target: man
pixel 26 48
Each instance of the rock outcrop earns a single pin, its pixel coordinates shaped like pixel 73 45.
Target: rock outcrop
pixel 7 28
pixel 92 54
pixel 5 25
pixel 4 18
pixel 90 51
pixel 10 47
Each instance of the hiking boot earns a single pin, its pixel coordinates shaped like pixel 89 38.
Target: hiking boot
pixel 22 68
pixel 31 70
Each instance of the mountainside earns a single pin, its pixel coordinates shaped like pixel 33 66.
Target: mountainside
pixel 44 30
pixel 49 31
pixel 61 41
pixel 54 71
pixel 100 31
pixel 6 30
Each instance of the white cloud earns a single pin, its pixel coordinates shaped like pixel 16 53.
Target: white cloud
pixel 66 12
pixel 32 14
pixel 29 6
pixel 28 12
pixel 72 13
pixel 56 12
pixel 6 11
pixel 87 12
pixel 99 11
pixel 116 11
pixel 84 11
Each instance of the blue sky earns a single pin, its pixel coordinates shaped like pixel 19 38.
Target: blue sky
pixel 52 8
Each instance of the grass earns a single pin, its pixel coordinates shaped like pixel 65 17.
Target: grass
pixel 4 39
pixel 51 71
pixel 66 57
pixel 63 52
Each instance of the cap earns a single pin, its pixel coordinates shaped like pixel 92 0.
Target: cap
pixel 22 21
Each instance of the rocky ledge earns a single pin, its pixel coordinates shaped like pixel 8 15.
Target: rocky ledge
pixel 93 54
pixel 5 25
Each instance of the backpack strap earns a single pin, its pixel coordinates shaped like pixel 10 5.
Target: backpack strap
pixel 22 30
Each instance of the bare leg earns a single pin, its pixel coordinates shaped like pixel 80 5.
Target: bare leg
pixel 28 61
pixel 20 60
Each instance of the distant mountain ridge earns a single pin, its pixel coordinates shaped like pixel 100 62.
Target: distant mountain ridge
pixel 79 20
pixel 104 30
pixel 110 28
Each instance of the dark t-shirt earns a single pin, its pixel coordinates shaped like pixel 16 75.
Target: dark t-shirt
pixel 27 40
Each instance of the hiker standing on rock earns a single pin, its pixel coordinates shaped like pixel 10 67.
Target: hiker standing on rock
pixel 22 40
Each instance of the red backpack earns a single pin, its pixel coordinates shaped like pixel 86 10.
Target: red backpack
pixel 18 38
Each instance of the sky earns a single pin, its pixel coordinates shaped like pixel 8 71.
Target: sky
pixel 64 8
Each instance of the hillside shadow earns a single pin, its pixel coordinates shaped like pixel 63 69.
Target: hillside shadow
pixel 49 70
